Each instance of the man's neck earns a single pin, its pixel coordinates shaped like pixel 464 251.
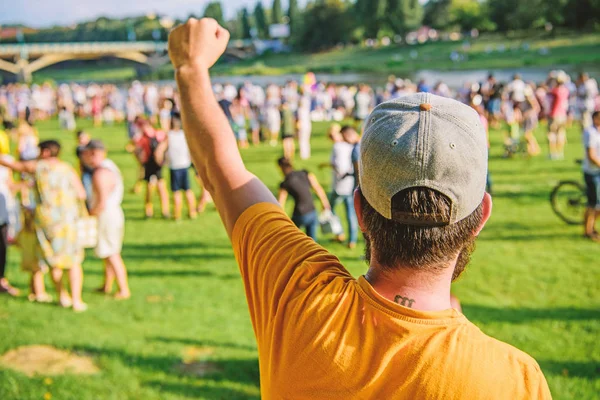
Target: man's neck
pixel 420 290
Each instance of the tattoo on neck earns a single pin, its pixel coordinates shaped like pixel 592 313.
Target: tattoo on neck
pixel 404 301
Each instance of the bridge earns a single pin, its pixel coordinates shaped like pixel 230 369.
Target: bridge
pixel 23 60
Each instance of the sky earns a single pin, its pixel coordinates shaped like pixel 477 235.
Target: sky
pixel 44 13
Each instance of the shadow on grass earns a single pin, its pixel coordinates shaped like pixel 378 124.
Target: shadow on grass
pixel 482 314
pixel 244 371
pixel 590 370
pixel 201 343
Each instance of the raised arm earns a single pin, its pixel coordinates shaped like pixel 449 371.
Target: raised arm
pixel 195 47
pixel 19 166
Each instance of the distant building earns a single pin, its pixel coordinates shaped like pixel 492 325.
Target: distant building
pixel 11 32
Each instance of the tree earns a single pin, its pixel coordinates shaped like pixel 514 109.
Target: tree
pixel 404 15
pixel 214 10
pixel 245 24
pixel 372 13
pixel 467 14
pixel 326 24
pixel 293 15
pixel 276 14
pixel 437 14
pixel 580 14
pixel 261 20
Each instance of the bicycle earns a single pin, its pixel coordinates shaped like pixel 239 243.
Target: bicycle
pixel 569 201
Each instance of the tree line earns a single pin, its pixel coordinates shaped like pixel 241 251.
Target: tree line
pixel 322 24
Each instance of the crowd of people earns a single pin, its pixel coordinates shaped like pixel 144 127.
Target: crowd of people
pixel 257 115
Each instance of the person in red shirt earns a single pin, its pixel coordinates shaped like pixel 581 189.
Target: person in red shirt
pixel 557 118
pixel 150 152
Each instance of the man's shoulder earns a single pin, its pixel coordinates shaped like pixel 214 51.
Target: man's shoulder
pixel 498 351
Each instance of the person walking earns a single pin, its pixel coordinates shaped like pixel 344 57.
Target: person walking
pixel 58 192
pixel 557 118
pixel 178 158
pixel 300 185
pixel 591 174
pixel 343 182
pixel 391 334
pixel 105 205
pixel 146 151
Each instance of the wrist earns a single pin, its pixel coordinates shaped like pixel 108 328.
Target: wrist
pixel 191 69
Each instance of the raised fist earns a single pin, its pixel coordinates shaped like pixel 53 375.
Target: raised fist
pixel 197 43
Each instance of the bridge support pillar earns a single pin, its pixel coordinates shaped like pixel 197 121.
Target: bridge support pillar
pixel 24 74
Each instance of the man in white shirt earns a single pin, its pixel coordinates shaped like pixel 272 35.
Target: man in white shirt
pixel 517 89
pixel 591 173
pixel 178 157
pixel 343 183
pixel 587 91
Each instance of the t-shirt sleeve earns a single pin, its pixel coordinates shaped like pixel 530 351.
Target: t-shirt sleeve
pixel 590 140
pixel 277 263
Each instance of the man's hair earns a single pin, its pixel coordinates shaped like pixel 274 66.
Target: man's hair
pixel 284 163
pixel 596 114
pixel 80 133
pixel 425 248
pixel 51 145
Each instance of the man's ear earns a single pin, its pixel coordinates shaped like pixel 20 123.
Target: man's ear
pixel 358 207
pixel 486 212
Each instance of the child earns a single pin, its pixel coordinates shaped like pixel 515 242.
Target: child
pixel 239 114
pixel 513 117
pixel 179 159
pixel 164 115
pixel 66 119
pixel 30 258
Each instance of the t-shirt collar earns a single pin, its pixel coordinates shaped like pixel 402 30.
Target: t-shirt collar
pixel 444 317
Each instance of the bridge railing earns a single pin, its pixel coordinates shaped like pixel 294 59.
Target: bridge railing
pixel 35 49
pixel 80 47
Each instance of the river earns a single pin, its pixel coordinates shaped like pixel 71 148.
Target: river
pixel 454 79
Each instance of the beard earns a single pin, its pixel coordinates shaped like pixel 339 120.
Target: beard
pixel 462 261
pixel 464 257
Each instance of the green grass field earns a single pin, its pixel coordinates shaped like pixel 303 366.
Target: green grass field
pixel 533 282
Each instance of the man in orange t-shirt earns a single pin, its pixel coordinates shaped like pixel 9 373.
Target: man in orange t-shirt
pixel 391 334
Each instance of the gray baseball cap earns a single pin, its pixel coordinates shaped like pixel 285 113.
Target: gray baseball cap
pixel 423 140
pixel 95 144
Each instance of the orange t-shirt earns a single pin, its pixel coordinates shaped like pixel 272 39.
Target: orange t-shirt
pixel 324 335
